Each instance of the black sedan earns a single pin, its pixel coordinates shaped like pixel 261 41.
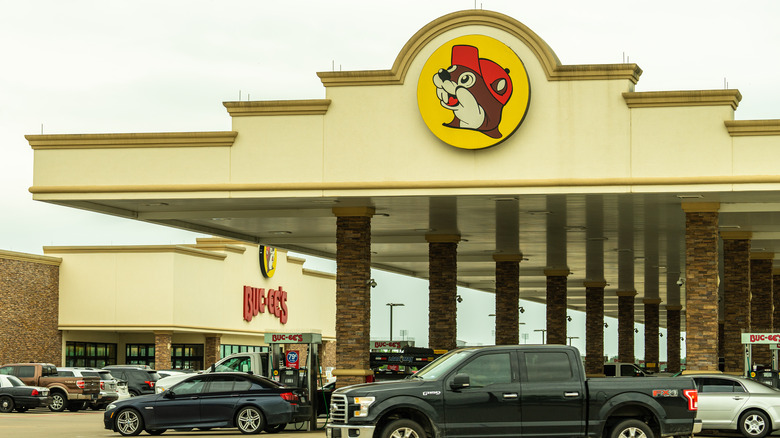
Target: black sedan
pixel 204 401
pixel 16 395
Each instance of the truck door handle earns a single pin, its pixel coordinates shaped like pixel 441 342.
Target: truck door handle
pixel 571 394
pixel 510 395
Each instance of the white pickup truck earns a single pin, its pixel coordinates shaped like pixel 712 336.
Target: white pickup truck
pixel 257 363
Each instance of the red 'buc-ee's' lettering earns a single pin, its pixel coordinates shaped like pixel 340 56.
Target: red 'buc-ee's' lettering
pixel 271 301
pixel 256 301
pixel 282 306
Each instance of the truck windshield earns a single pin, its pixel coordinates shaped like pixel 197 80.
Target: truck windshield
pixel 443 365
pixel 241 363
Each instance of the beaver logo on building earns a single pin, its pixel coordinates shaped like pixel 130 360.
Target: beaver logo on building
pixel 475 89
pixel 473 92
pixel 267 261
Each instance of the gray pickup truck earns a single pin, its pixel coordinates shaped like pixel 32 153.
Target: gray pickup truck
pixel 513 391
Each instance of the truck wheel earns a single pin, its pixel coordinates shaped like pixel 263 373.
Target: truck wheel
pixel 250 420
pixel 754 424
pixel 403 428
pixel 6 404
pixel 632 429
pixel 129 422
pixel 58 401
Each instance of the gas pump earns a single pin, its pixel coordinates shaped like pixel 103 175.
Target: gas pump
pixel 286 373
pixel 769 376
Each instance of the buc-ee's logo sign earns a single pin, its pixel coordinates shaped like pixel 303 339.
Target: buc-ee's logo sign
pixel 257 300
pixel 267 261
pixel 473 92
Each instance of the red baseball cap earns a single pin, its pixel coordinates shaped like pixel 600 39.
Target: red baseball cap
pixel 468 56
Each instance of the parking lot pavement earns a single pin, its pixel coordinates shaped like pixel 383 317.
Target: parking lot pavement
pixel 42 423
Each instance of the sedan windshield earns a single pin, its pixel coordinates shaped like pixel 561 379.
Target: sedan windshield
pixel 443 365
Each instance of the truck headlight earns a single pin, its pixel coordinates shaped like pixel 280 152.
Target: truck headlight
pixel 363 403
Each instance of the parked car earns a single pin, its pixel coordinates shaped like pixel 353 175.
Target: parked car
pixel 66 392
pixel 121 389
pixel 249 402
pixel 737 404
pixel 108 384
pixel 15 395
pixel 140 378
pixel 167 373
pixel 259 363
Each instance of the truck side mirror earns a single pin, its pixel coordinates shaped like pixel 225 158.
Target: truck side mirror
pixel 460 381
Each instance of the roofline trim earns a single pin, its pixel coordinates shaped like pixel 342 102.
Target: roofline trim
pixel 31 258
pixel 659 99
pixel 133 140
pixel 180 249
pixel 278 107
pixel 744 128
pixel 553 69
pixel 411 185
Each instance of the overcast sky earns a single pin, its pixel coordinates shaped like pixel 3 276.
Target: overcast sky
pixel 148 66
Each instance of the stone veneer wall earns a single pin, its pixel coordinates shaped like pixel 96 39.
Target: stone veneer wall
pixel 652 338
pixel 556 309
pixel 701 287
pixel 736 295
pixel 626 325
pixel 162 350
pixel 776 299
pixel 211 351
pixel 594 327
pixel 29 309
pixel 761 303
pixel 507 299
pixel 443 290
pixel 673 341
pixel 353 298
pixel 328 354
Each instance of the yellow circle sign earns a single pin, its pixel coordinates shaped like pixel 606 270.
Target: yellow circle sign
pixel 473 92
pixel 267 261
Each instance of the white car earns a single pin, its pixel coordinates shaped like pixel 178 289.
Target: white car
pixel 737 404
pixel 166 373
pixel 172 378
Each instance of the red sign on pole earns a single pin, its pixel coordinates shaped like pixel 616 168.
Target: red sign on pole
pixel 291 359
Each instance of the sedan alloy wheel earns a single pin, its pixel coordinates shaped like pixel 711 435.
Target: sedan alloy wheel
pixel 129 422
pixel 250 420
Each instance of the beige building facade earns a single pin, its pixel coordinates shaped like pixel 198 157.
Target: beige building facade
pixel 596 197
pixel 168 306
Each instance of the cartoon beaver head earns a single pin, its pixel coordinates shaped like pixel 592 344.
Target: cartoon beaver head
pixel 475 89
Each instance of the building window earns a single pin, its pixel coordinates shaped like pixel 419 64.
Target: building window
pixel 187 356
pixel 227 350
pixel 89 354
pixel 139 354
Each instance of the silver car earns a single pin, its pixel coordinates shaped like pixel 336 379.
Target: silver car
pixel 738 404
